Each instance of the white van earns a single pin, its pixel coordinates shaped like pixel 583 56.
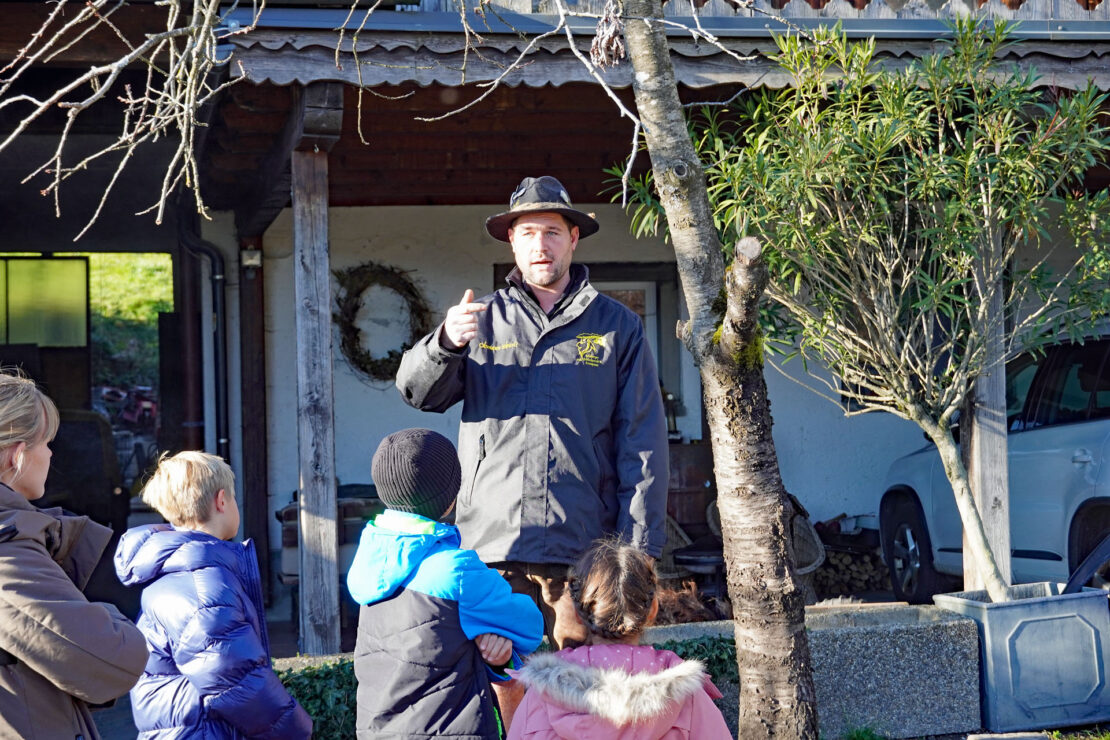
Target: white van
pixel 1058 409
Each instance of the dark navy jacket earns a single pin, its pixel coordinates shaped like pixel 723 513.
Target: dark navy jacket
pixel 209 673
pixel 424 601
pixel 563 438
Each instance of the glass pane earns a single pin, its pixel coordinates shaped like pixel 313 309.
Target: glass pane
pixel 48 302
pixel 640 297
pixel 1075 384
pixel 1019 377
pixel 634 298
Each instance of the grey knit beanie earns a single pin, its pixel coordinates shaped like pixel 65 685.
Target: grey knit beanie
pixel 417 471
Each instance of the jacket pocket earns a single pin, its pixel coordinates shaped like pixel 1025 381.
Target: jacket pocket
pixel 606 471
pixel 474 472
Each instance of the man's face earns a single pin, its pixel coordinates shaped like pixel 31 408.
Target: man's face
pixel 543 245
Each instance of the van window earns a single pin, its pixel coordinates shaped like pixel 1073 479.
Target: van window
pixel 1019 378
pixel 1078 386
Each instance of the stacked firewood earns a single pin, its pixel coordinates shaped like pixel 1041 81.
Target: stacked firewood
pixel 846 573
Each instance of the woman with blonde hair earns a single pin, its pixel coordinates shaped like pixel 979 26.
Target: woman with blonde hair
pixel 59 652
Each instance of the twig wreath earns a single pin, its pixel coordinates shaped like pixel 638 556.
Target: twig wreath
pixel 353 283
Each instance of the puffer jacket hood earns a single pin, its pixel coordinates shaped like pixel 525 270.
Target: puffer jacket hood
pixel 145 554
pixel 397 543
pixel 617 691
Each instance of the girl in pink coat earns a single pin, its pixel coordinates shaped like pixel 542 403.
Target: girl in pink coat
pixel 613 688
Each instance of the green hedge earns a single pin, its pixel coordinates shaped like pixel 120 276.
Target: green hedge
pixel 717 653
pixel 327 693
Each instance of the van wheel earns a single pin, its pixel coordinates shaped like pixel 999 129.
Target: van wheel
pixel 908 553
pixel 1089 529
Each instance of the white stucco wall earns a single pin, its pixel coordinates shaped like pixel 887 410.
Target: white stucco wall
pixel 832 463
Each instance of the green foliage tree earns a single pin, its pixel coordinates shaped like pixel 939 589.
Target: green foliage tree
pixel 899 211
pixel 126 294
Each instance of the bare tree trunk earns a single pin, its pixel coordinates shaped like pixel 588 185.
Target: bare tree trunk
pixel 777 698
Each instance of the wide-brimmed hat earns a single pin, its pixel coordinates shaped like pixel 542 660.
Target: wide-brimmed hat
pixel 539 195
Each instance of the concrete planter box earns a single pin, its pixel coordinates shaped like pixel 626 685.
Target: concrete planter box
pixel 902 671
pixel 899 670
pixel 1044 655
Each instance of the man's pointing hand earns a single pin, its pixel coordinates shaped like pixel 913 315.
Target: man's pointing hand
pixel 461 325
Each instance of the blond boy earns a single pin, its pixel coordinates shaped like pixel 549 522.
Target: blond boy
pixel 209 673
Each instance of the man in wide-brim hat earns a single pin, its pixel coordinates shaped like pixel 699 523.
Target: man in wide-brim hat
pixel 563 436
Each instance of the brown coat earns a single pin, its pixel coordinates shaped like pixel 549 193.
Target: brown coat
pixel 64 652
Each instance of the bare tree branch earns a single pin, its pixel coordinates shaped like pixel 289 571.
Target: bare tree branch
pixel 180 63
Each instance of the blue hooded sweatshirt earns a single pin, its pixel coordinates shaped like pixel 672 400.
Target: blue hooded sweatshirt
pixel 424 601
pixel 209 673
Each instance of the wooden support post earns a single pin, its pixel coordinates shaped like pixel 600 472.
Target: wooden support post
pixel 254 486
pixel 983 439
pixel 319 544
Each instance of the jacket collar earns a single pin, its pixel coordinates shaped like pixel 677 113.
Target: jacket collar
pixel 151 551
pixel 74 542
pixel 579 283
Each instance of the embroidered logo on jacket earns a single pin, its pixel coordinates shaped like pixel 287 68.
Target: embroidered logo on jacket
pixel 495 347
pixel 588 348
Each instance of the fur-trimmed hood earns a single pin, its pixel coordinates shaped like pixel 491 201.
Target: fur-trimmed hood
pixel 592 691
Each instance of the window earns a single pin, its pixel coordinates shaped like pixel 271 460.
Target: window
pixel 44 323
pixel 1019 378
pixel 1077 387
pixel 44 302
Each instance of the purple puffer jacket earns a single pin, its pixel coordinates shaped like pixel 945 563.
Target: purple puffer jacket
pixel 209 673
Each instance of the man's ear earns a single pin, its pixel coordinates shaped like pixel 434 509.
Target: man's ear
pixel 220 501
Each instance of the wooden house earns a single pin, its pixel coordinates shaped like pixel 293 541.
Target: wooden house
pixel 343 155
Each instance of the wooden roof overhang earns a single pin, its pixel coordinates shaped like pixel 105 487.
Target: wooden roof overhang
pixel 436 53
pixel 548 115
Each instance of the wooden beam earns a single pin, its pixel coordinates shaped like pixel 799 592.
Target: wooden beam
pixel 319 544
pixel 273 181
pixel 102 46
pixel 255 484
pixel 323 116
pixel 315 122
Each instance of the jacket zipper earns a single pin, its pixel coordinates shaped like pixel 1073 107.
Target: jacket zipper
pixel 477 467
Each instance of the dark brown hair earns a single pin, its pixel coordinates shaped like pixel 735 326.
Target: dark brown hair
pixel 613 587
